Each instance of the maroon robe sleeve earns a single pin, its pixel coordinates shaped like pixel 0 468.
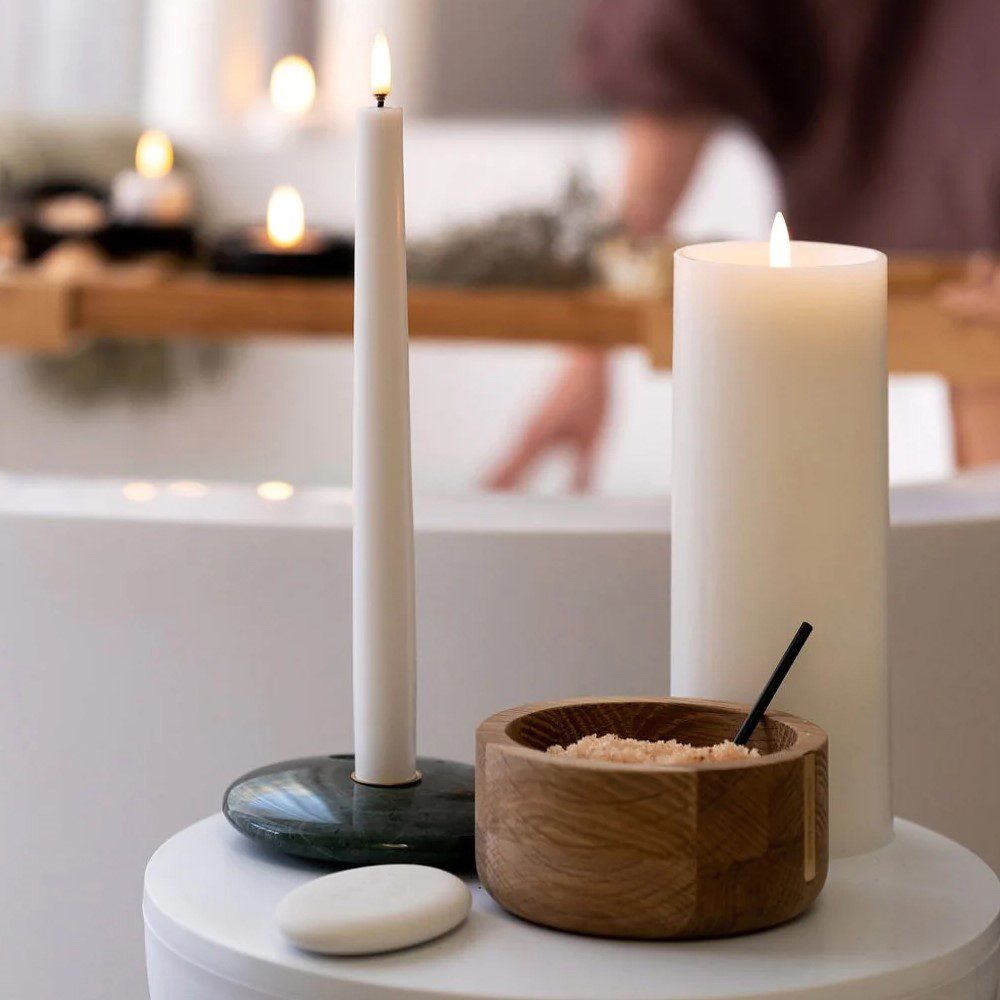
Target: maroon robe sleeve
pixel 756 61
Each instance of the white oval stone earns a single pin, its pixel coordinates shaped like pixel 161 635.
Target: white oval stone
pixel 362 911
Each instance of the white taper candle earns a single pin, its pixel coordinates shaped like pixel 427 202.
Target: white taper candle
pixel 780 503
pixel 384 628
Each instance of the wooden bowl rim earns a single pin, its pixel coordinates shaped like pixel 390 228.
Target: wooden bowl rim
pixel 810 738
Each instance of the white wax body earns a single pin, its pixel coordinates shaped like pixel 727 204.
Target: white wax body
pixel 384 630
pixel 780 500
pixel 167 200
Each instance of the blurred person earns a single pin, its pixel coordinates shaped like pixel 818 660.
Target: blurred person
pixel 880 119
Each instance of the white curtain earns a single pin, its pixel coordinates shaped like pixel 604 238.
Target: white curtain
pixel 62 58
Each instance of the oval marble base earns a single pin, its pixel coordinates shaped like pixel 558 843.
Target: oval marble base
pixel 312 808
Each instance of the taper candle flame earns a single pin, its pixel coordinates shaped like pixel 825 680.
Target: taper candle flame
pixel 286 217
pixel 780 249
pixel 381 67
pixel 154 155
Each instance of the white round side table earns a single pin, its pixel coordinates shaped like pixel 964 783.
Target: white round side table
pixel 919 918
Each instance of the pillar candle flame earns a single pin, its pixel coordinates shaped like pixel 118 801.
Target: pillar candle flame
pixel 381 66
pixel 780 248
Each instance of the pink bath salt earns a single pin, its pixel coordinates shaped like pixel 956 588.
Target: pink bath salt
pixel 623 750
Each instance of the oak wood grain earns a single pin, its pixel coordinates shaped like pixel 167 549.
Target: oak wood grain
pixel 650 851
pixel 35 315
pixel 238 307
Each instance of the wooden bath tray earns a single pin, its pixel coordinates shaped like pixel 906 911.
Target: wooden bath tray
pixel 43 316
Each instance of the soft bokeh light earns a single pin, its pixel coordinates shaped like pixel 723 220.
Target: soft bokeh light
pixel 154 154
pixel 381 66
pixel 139 492
pixel 286 217
pixel 293 85
pixel 780 247
pixel 188 488
pixel 275 490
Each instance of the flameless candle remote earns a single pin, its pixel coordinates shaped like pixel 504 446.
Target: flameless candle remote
pixel 58 209
pixel 383 804
pixel 780 495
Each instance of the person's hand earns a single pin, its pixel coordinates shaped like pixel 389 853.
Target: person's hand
pixel 975 299
pixel 572 416
pixel 975 406
pixel 660 155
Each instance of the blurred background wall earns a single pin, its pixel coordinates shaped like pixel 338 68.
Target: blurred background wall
pixel 493 125
pixel 63 58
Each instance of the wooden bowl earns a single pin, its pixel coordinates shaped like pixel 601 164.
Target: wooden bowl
pixel 650 851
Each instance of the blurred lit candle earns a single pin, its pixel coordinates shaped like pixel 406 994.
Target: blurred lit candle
pixel 293 86
pixel 780 500
pixel 284 247
pixel 288 106
pixel 384 631
pixel 285 224
pixel 154 191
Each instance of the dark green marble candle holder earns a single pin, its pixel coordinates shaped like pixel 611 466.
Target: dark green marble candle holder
pixel 312 808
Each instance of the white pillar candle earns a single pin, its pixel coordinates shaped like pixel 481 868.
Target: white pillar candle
pixel 167 201
pixel 154 192
pixel 780 499
pixel 384 632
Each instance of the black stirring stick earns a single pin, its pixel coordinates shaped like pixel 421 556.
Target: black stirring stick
pixel 771 687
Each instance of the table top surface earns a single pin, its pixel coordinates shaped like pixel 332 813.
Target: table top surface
pixel 917 913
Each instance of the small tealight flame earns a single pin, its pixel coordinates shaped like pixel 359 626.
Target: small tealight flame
pixel 293 85
pixel 780 248
pixel 286 217
pixel 381 66
pixel 154 155
pixel 275 490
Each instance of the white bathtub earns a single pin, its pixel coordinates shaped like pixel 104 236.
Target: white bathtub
pixel 152 651
pixel 283 411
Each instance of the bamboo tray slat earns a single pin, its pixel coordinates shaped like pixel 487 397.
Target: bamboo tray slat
pixel 43 316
